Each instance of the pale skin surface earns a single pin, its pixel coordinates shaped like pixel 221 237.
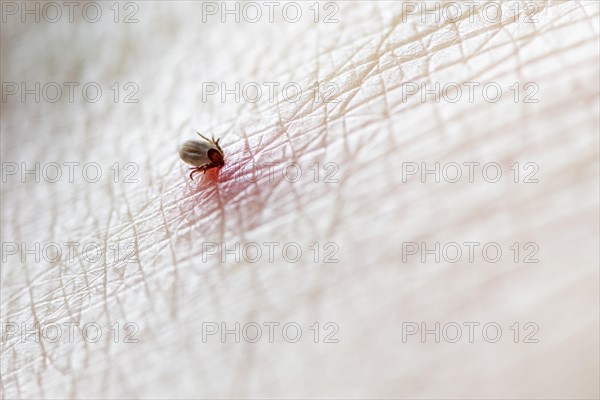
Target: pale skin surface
pixel 368 214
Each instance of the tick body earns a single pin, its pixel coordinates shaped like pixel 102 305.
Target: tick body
pixel 202 155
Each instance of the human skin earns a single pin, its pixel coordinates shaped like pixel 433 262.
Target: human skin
pixel 177 289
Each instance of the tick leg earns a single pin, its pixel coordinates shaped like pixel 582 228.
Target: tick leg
pixel 216 143
pixel 194 170
pixel 219 147
pixel 202 169
pixel 204 137
pixel 213 141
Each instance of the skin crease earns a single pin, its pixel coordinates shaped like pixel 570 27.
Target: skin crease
pixel 368 133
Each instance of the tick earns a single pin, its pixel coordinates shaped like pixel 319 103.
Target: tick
pixel 202 155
